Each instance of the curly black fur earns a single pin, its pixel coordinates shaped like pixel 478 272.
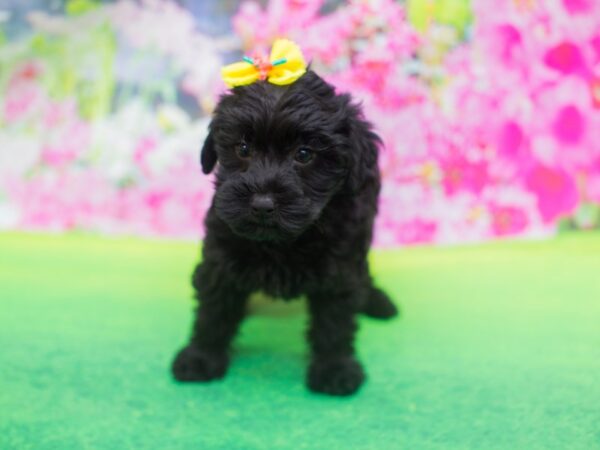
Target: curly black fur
pixel 313 237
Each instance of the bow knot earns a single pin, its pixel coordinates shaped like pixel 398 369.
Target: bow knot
pixel 285 65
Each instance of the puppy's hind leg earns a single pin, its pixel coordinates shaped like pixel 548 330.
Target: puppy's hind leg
pixel 222 308
pixel 378 305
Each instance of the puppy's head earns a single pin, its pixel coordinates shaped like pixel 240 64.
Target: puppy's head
pixel 284 152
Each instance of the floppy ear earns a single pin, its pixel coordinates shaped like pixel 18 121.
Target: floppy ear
pixel 208 156
pixel 363 154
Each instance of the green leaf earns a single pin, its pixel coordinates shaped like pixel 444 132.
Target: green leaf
pixel 79 7
pixel 456 13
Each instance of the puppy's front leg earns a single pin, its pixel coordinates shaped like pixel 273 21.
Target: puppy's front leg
pixel 222 308
pixel 334 369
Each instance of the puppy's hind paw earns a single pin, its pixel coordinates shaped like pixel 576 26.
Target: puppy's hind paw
pixel 192 364
pixel 335 377
pixel 379 305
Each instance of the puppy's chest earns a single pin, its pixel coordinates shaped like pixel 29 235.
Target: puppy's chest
pixel 283 275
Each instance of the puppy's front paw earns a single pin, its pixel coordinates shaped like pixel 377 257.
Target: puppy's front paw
pixel 335 377
pixel 192 364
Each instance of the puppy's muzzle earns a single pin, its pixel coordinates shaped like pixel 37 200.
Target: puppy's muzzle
pixel 262 205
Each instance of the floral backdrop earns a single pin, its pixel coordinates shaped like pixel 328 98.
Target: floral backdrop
pixel 489 110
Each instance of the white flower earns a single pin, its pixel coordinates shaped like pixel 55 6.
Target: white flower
pixel 18 153
pixel 9 215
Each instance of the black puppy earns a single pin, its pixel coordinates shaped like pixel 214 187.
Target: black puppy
pixel 296 196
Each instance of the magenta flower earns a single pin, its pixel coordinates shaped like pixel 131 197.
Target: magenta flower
pixel 577 6
pixel 504 42
pixel 554 189
pixel 507 220
pixel 566 58
pixel 569 125
pixel 595 44
pixel 461 174
pixel 592 182
pixel 511 141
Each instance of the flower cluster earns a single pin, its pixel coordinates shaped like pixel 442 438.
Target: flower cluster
pixel 490 135
pixel 104 144
pixel 489 116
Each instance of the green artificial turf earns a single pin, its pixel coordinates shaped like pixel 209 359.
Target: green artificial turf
pixel 498 348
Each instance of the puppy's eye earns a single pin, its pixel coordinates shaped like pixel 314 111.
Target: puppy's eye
pixel 304 155
pixel 242 150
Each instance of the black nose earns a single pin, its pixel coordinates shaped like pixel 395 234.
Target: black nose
pixel 262 204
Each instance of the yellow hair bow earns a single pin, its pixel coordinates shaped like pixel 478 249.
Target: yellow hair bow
pixel 285 66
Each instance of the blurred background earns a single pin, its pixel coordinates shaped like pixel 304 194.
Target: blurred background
pixel 489 111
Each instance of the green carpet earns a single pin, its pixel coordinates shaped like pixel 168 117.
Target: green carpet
pixel 498 348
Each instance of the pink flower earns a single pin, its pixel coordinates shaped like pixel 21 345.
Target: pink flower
pixel 595 92
pixel 578 6
pixel 507 220
pixel 555 191
pixel 259 27
pixel 595 44
pixel 416 231
pixel 27 73
pixel 565 57
pixel 504 42
pixel 592 183
pixel 20 102
pixel 155 199
pixel 54 156
pixel 250 23
pixel 460 174
pixel 145 146
pixel 563 127
pixel 511 140
pixel 569 125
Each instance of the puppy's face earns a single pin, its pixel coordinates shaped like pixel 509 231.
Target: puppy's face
pixel 283 153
